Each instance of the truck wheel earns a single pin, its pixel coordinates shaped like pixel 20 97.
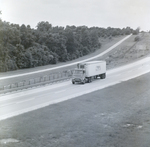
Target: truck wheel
pixel 73 82
pixel 83 82
pixel 89 80
pixel 103 76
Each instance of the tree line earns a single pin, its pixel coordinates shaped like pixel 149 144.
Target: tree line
pixel 24 47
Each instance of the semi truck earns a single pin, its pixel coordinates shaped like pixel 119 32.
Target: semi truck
pixel 87 71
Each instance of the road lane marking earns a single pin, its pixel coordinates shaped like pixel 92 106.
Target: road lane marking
pixel 7 104
pixel 130 71
pixel 60 91
pixel 25 101
pixel 147 65
pixel 141 67
pixel 118 75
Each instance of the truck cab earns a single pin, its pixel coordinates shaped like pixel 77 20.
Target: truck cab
pixel 78 76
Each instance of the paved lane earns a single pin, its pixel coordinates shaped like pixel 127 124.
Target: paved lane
pixel 28 100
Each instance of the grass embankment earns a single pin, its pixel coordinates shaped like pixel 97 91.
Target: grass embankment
pixel 129 51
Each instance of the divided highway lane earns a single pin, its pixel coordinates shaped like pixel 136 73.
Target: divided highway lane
pixel 25 101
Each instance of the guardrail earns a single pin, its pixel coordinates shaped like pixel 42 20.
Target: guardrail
pixel 38 81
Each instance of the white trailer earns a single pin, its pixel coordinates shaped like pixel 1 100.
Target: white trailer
pixel 87 71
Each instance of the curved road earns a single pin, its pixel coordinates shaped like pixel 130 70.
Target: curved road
pixel 25 101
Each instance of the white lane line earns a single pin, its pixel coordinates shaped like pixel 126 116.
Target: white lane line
pixel 147 65
pixel 25 101
pixel 129 71
pixel 60 91
pixel 7 104
pixel 116 75
pixel 141 67
pixel 66 65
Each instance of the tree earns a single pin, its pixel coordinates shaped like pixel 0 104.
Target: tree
pixel 128 31
pixel 94 38
pixel 135 32
pixel 70 43
pixel 44 26
pixel 24 47
pixel 27 36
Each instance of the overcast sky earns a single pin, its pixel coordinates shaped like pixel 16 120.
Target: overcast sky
pixel 101 13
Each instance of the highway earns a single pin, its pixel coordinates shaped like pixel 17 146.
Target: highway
pixel 32 99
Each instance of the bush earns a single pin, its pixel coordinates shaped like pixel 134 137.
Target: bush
pixel 137 38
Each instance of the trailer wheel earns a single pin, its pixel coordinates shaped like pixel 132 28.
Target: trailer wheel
pixel 90 79
pixel 83 81
pixel 103 76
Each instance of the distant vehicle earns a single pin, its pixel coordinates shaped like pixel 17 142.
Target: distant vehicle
pixel 87 71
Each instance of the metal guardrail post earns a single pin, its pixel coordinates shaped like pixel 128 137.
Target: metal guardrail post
pixel 41 79
pixel 23 83
pixel 44 78
pixel 49 77
pixel 16 84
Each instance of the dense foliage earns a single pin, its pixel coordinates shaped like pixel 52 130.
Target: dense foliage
pixel 23 47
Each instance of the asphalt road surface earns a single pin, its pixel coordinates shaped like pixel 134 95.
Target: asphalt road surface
pixel 18 103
